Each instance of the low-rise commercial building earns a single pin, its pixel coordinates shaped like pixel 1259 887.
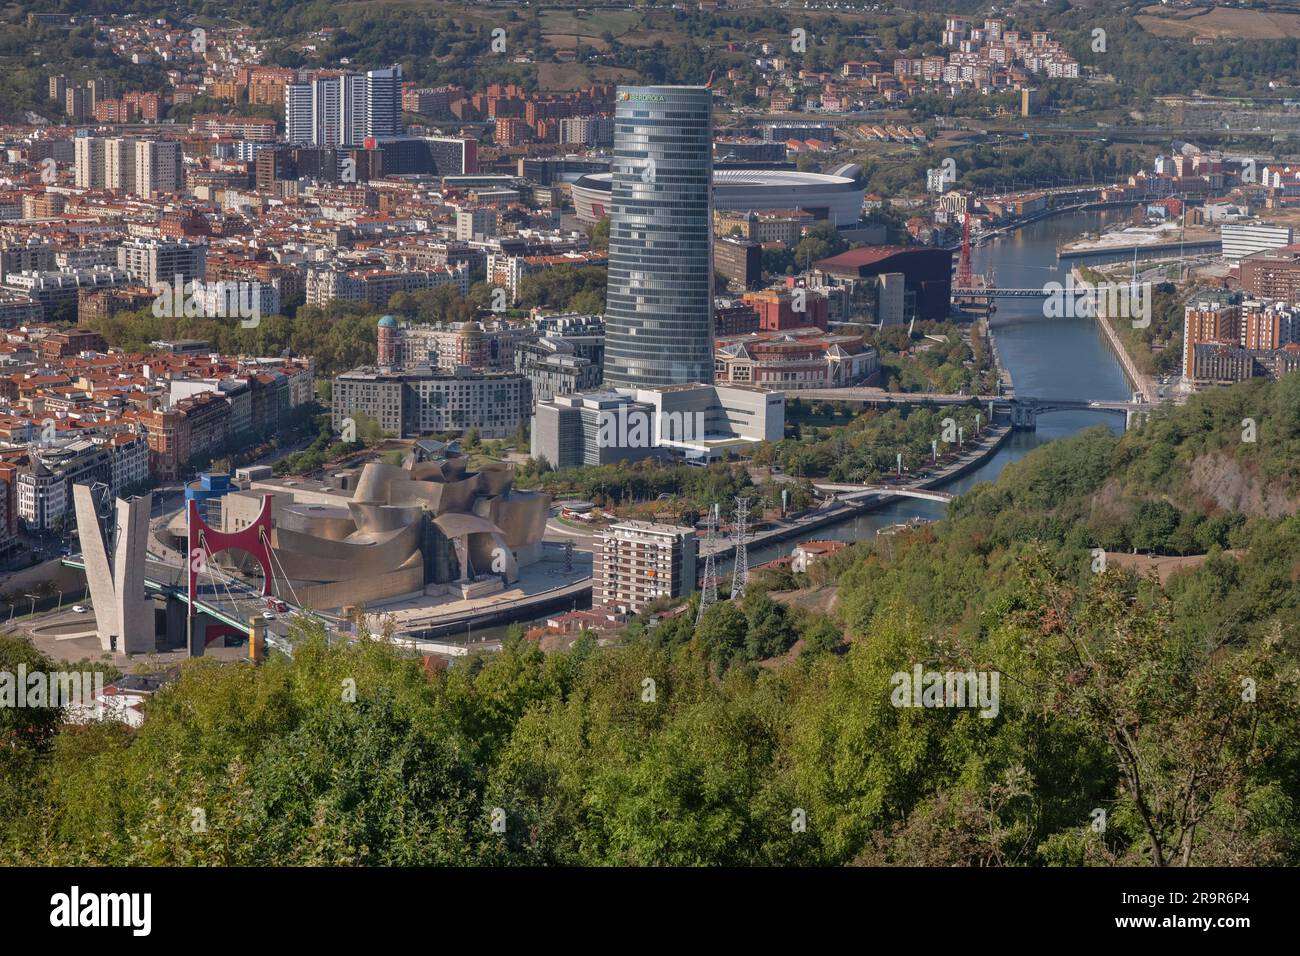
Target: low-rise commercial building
pixel 697 422
pixel 1241 239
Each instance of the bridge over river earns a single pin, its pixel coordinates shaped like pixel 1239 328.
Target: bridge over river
pixel 1021 410
pixel 850 492
pixel 224 599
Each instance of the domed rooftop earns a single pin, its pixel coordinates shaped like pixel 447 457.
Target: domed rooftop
pixel 388 322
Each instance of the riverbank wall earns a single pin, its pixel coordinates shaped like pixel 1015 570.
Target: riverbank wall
pixel 999 434
pixel 1139 384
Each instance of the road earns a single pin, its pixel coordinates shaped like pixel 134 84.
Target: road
pixel 867 394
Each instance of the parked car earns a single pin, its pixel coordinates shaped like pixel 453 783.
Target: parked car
pixel 269 615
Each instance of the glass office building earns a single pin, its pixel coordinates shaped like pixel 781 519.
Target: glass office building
pixel 659 302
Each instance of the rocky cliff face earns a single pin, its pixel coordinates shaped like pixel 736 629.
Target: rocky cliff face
pixel 1221 479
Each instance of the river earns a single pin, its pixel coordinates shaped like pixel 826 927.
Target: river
pixel 1050 358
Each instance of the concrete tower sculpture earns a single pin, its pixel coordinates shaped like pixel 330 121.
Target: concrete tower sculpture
pixel 123 614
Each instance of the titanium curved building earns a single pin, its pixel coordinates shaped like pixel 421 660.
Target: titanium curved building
pixel 659 301
pixel 429 526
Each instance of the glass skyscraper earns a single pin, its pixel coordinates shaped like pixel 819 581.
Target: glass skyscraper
pixel 659 301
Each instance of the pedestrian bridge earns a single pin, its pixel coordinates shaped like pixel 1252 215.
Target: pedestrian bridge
pixel 993 292
pixel 861 491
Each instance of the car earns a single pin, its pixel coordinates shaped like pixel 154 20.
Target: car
pixel 79 609
pixel 269 615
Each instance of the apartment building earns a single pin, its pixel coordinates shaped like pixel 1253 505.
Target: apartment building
pixel 88 162
pixel 1225 363
pixel 190 429
pixel 158 168
pixel 766 225
pixel 593 131
pixel 418 402
pixel 151 262
pixel 1207 321
pixel 56 293
pixel 45 484
pixel 476 222
pixel 344 109
pixel 8 507
pixel 1268 326
pixel 553 367
pixel 483 347
pixel 638 562
pixel 128 460
pixel 250 129
pixel 377 286
pixel 1272 274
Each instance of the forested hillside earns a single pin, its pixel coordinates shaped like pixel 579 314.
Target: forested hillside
pixel 1136 724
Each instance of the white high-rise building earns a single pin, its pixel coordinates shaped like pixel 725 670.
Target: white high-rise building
pixel 352 111
pixel 158 167
pixel 298 99
pixel 88 162
pixel 343 110
pixel 384 102
pixel 119 164
pixel 325 99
